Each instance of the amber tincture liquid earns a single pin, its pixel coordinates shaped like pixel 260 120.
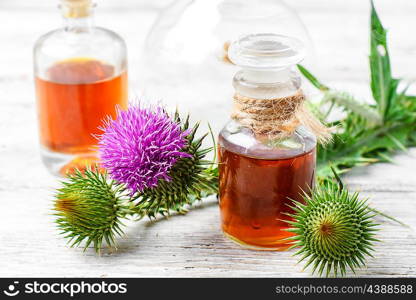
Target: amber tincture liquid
pixel 73 100
pixel 255 193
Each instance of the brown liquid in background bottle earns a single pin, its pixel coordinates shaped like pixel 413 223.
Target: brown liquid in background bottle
pixel 255 194
pixel 73 101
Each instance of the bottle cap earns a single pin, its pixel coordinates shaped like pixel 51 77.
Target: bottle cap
pixel 76 8
pixel 266 51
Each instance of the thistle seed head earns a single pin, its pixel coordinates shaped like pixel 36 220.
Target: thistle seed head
pixel 334 229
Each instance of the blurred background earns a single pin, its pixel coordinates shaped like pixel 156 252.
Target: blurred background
pixel 194 77
pixel 176 50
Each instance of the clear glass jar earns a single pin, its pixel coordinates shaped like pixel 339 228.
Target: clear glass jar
pixel 261 176
pixel 185 52
pixel 80 76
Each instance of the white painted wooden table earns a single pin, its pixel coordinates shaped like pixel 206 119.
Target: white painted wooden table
pixel 192 245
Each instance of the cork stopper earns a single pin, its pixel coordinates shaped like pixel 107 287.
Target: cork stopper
pixel 76 8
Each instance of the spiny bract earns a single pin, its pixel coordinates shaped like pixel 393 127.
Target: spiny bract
pixel 191 179
pixel 334 230
pixel 88 208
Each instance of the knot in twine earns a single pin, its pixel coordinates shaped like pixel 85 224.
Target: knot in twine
pixel 277 118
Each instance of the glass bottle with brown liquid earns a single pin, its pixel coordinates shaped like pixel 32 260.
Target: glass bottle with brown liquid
pixel 260 176
pixel 81 78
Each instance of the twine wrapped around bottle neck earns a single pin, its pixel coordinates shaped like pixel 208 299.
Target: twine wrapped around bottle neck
pixel 277 118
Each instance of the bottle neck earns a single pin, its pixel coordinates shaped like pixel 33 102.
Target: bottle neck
pixel 266 76
pixel 79 24
pixel 266 84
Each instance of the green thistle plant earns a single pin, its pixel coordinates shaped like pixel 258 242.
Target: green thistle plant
pixel 368 133
pixel 334 229
pixel 89 208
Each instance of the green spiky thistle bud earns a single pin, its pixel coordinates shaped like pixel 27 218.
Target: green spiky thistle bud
pixel 89 208
pixel 334 230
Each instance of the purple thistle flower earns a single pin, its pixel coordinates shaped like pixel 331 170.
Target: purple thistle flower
pixel 141 146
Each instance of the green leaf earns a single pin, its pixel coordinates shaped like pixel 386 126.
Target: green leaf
pixel 383 85
pixel 350 104
pixel 312 79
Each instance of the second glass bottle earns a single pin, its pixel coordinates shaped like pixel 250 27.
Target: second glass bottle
pixel 81 76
